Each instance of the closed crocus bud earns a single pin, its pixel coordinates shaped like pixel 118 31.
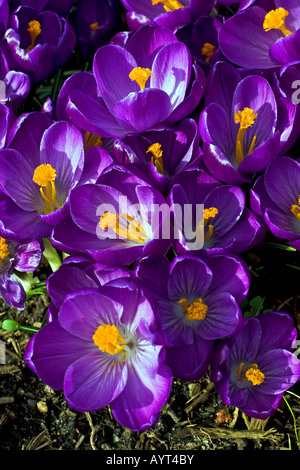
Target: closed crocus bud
pixel 37 43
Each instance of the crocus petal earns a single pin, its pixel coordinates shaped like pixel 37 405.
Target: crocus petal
pixel 189 278
pixel 244 42
pixel 171 71
pixel 23 226
pixel 90 115
pixel 52 341
pixel 102 310
pixel 138 407
pixel 16 180
pixel 217 323
pixel 146 42
pixel 190 362
pixel 143 110
pixel 62 148
pixel 114 87
pixel 283 173
pixel 65 280
pixel 93 381
pixel 26 135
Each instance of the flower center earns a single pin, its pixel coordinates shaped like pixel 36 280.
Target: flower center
pixel 4 251
pixel 208 50
pixel 169 5
pixel 108 339
pixel 44 175
pixel 295 209
pixel 94 26
pixel 251 373
pixel 131 228
pixel 194 311
pixel 140 75
pixel 92 140
pixel 34 31
pixel 275 19
pixel 245 118
pixel 156 158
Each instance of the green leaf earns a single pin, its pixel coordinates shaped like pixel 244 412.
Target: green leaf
pixel 51 255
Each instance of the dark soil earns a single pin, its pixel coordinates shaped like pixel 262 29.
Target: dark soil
pixel 35 417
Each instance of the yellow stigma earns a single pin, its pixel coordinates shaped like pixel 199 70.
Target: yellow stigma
pixel 34 31
pixel 94 26
pixel 252 374
pixel 92 140
pixel 275 19
pixel 208 50
pixel 194 311
pixel 245 119
pixel 140 75
pixel 44 175
pixel 295 209
pixel 108 339
pixel 156 158
pixel 131 228
pixel 209 214
pixel 169 5
pixel 4 251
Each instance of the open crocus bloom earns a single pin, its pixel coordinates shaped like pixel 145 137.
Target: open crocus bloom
pixel 151 87
pixel 37 172
pixel 104 349
pixel 260 38
pixel 158 156
pixel 253 368
pixel 244 125
pixel 280 209
pixel 196 303
pixel 121 221
pixel 223 225
pixel 37 43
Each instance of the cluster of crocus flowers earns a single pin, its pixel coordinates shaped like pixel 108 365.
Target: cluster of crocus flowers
pixel 153 170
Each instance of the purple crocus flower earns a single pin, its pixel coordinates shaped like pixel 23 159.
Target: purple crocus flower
pixel 196 303
pixel 37 43
pixel 43 163
pixel 119 223
pixel 252 369
pixel 158 156
pixel 173 14
pixel 154 85
pixel 95 24
pixel 260 38
pixel 225 225
pixel 244 125
pixel 16 258
pixel 280 209
pixel 105 348
pixel 201 37
pixel 15 86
